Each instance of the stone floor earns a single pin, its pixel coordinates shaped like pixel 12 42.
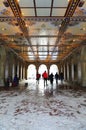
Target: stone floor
pixel 35 107
pixel 32 84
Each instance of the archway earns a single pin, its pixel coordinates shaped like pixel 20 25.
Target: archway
pixel 53 69
pixel 42 68
pixel 31 72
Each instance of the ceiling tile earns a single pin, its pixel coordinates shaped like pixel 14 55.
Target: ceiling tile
pixel 58 12
pixel 43 3
pixel 60 3
pixel 43 12
pixel 28 12
pixel 26 3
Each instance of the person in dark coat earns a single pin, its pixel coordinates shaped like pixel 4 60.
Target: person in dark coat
pixel 61 77
pixel 51 76
pixel 56 77
pixel 15 81
pixel 38 77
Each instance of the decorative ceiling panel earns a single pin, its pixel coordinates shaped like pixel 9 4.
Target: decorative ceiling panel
pixel 46 30
pixel 4 11
pixel 8 28
pixel 43 12
pixel 60 3
pixel 43 3
pixel 26 3
pixel 58 12
pixel 81 28
pixel 28 12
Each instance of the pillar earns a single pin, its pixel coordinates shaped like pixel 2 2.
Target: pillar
pixel 83 66
pixel 26 67
pixel 2 64
pixel 65 71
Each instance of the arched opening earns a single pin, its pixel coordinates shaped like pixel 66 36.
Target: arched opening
pixel 42 68
pixel 31 72
pixel 53 69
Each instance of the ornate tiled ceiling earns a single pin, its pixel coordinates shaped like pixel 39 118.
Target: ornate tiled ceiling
pixel 42 30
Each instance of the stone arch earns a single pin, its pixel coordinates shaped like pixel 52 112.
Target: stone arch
pixel 53 69
pixel 31 71
pixel 42 68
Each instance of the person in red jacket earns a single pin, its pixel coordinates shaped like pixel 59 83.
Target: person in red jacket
pixel 45 77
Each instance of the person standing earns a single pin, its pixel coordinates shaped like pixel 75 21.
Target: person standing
pixel 51 78
pixel 38 77
pixel 61 77
pixel 15 81
pixel 56 77
pixel 45 77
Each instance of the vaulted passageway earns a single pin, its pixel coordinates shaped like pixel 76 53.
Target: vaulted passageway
pixel 38 36
pixel 49 32
pixel 73 67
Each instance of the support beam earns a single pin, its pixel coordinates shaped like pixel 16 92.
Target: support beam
pixel 17 13
pixel 69 13
pixel 45 19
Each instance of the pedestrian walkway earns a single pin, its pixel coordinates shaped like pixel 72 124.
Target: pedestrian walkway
pixel 39 88
pixel 34 107
pixel 32 84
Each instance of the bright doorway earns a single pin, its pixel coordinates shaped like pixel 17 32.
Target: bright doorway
pixel 53 69
pixel 31 72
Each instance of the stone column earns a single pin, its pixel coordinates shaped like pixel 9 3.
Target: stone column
pixel 2 64
pixel 70 72
pixel 20 70
pixel 48 68
pixel 79 72
pixel 72 67
pixel 26 67
pixel 75 71
pixel 59 68
pixel 6 69
pixel 65 71
pixel 83 66
pixel 13 70
pixel 23 70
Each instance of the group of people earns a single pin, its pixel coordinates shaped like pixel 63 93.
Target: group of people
pixel 50 77
pixel 45 77
pixel 57 77
pixel 9 82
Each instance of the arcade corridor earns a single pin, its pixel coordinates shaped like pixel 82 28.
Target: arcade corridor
pixel 36 32
pixel 38 36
